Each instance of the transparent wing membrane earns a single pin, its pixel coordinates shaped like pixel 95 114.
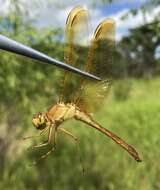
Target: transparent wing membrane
pixel 102 49
pixel 96 58
pixel 99 62
pixel 75 52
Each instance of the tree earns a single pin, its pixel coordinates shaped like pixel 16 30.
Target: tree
pixel 138 50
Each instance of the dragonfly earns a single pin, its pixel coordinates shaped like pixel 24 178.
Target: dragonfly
pixel 80 97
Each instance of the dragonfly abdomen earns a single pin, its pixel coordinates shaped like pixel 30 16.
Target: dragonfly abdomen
pixel 86 118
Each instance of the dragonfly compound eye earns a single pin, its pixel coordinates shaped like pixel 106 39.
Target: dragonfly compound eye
pixel 39 121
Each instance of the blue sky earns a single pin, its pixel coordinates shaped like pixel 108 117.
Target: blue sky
pixel 119 6
pixel 54 13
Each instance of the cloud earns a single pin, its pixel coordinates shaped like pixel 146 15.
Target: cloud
pixel 54 16
pixel 131 22
pixel 47 13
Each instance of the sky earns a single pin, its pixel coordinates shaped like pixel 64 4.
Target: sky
pixel 54 13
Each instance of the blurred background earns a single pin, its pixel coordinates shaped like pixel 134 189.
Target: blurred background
pixel 131 110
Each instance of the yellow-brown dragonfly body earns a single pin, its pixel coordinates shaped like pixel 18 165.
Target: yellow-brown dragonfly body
pixel 80 97
pixel 62 112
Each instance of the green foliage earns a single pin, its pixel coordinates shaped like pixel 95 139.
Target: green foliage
pixel 122 90
pixel 28 87
pixel 106 165
pixel 136 52
pixel 136 55
pixel 22 79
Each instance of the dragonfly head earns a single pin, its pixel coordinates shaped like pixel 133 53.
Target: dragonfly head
pixel 39 121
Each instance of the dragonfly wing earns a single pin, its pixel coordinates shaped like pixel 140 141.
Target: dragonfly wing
pixel 75 53
pixel 100 63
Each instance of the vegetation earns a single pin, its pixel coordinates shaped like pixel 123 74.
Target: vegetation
pixel 106 165
pixel 131 111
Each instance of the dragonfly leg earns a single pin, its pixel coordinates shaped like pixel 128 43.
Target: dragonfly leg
pixel 34 136
pixel 48 141
pixel 77 143
pixel 68 133
pixel 51 150
pixel 45 155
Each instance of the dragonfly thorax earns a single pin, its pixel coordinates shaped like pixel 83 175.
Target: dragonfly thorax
pixel 56 115
pixel 61 112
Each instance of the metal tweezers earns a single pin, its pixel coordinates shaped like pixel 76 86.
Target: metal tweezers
pixel 13 46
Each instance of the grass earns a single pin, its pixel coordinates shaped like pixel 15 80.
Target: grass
pixel 134 117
